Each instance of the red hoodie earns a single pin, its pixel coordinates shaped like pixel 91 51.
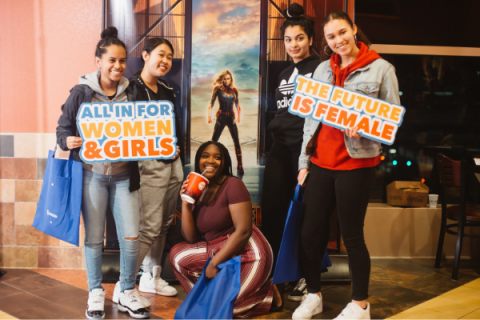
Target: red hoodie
pixel 330 151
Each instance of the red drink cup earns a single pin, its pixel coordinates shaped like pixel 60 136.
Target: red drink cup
pixel 196 184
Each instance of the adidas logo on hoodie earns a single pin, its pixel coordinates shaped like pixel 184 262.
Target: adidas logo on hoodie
pixel 286 88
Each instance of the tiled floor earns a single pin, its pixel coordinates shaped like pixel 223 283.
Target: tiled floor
pixel 401 289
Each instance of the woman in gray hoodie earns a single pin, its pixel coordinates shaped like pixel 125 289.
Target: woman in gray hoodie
pixel 105 182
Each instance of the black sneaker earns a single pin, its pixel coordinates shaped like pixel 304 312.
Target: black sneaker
pixel 299 291
pixel 95 305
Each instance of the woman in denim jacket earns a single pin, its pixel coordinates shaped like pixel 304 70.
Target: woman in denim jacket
pixel 341 165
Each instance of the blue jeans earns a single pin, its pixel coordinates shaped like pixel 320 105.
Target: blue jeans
pixel 98 189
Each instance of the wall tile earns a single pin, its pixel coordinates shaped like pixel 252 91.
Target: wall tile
pixel 34 145
pixel 28 190
pixel 7 223
pixel 18 257
pixel 15 168
pixel 29 236
pixel 69 258
pixel 25 212
pixel 6 146
pixel 7 257
pixel 7 190
pixel 41 164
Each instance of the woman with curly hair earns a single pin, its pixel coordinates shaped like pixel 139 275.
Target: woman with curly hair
pixel 219 226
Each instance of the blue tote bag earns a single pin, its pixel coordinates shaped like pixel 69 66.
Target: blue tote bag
pixel 213 298
pixel 287 268
pixel 58 209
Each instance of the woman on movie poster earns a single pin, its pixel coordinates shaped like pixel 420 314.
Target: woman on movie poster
pixel 227 96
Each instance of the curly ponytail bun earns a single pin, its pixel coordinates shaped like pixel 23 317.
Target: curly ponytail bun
pixel 108 37
pixel 294 17
pixel 294 11
pixel 110 32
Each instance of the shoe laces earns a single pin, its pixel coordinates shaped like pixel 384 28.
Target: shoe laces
pixel 137 294
pixel 96 299
pixel 132 299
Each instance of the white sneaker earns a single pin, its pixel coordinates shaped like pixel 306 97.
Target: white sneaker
pixel 155 284
pixel 354 311
pixel 116 294
pixel 95 304
pixel 129 302
pixel 311 305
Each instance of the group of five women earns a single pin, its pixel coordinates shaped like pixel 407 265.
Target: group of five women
pixel 340 165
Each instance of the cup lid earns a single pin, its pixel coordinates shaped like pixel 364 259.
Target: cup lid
pixel 198 174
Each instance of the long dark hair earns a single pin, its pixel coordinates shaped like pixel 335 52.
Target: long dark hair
pixel 226 160
pixel 108 37
pixel 294 17
pixel 326 51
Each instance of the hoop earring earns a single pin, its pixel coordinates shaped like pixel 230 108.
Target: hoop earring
pixel 325 50
pixel 355 36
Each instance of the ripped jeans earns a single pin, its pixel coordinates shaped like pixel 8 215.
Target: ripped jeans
pixel 98 189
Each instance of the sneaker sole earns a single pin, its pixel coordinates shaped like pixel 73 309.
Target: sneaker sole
pixel 166 294
pixel 295 298
pixel 315 312
pixel 133 315
pixel 91 318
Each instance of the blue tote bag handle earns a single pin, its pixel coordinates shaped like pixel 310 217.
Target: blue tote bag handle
pixel 298 196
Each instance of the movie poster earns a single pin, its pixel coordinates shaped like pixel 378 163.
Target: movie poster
pixel 226 37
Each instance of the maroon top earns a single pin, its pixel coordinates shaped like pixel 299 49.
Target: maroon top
pixel 214 220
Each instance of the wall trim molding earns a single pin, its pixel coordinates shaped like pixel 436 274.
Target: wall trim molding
pixel 427 50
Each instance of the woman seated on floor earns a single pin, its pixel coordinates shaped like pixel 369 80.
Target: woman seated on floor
pixel 219 226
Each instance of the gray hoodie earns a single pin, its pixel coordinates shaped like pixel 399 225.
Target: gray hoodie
pixel 92 80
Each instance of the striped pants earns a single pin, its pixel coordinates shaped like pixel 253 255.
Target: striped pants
pixel 256 293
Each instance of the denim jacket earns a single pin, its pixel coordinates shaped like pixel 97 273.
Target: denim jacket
pixel 378 80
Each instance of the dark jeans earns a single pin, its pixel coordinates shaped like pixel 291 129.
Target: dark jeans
pixel 279 181
pixel 220 124
pixel 349 192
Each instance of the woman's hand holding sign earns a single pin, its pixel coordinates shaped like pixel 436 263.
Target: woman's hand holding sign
pixel 178 153
pixel 352 133
pixel 74 142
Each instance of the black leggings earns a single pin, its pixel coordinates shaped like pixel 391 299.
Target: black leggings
pixel 220 124
pixel 349 192
pixel 279 180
